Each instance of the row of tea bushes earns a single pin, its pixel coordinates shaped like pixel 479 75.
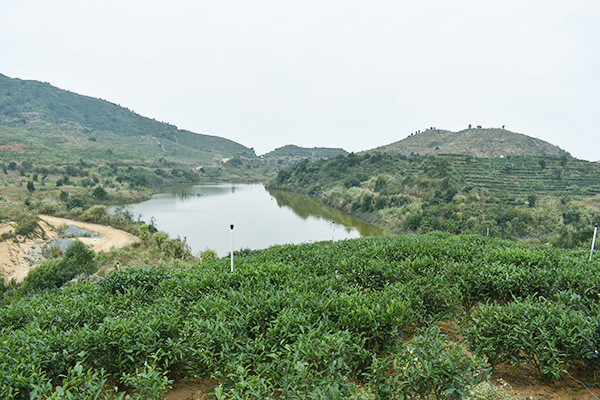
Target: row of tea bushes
pixel 323 320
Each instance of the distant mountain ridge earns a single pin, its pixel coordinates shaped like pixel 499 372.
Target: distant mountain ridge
pixel 291 150
pixel 40 120
pixel 478 142
pixel 32 113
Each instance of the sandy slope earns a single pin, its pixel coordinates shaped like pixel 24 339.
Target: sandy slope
pixel 18 257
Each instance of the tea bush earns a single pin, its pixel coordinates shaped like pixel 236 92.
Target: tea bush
pixel 143 278
pixel 428 367
pixel 545 335
pixel 321 320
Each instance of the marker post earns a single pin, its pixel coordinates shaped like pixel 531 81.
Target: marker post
pixel 231 227
pixel 332 231
pixel 593 242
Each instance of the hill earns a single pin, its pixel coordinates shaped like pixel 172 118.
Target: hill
pixel 40 120
pixel 294 151
pixel 541 199
pixel 478 142
pixel 266 166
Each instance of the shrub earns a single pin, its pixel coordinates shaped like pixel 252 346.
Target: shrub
pixel 43 276
pixel 544 335
pixel 46 207
pixel 78 260
pixel 171 248
pixel 429 367
pixel 144 233
pixel 351 182
pixel 26 225
pixel 76 384
pixel 145 279
pixel 208 254
pixel 148 383
pixel 94 213
pixel 99 193
pixel 381 184
pixel 413 222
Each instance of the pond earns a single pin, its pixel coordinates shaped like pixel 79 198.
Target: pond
pixel 203 214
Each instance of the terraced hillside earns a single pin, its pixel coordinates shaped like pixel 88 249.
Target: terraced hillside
pixel 523 175
pixel 540 198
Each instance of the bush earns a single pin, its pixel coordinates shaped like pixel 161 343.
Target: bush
pixel 76 384
pixel 171 248
pixel 145 279
pixel 351 182
pixel 208 254
pixel 148 383
pixel 99 193
pixel 144 233
pixel 26 226
pixel 78 260
pixel 47 207
pixel 544 335
pixel 429 367
pixel 413 222
pixel 95 213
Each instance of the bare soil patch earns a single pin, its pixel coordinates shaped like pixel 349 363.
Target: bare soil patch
pixel 192 389
pixel 577 385
pixel 18 255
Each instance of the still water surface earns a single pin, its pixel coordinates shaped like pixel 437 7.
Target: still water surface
pixel 261 218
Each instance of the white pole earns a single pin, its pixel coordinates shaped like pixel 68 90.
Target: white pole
pixel 231 227
pixel 593 242
pixel 333 232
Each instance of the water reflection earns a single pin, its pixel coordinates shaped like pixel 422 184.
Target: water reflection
pixel 191 192
pixel 305 206
pixel 203 214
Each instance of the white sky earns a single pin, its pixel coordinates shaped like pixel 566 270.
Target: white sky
pixel 326 73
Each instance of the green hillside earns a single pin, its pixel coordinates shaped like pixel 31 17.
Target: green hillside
pixel 478 142
pixel 541 199
pixel 37 119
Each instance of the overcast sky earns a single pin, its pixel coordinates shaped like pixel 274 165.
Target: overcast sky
pixel 326 73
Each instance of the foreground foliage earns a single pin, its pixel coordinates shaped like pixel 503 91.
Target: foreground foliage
pixel 351 319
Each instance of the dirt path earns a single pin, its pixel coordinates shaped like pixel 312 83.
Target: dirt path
pixel 110 237
pixel 18 256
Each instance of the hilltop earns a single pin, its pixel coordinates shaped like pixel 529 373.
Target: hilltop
pixel 293 151
pixel 477 142
pixel 289 154
pixel 40 120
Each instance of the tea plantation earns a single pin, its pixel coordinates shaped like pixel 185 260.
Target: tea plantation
pixel 356 319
